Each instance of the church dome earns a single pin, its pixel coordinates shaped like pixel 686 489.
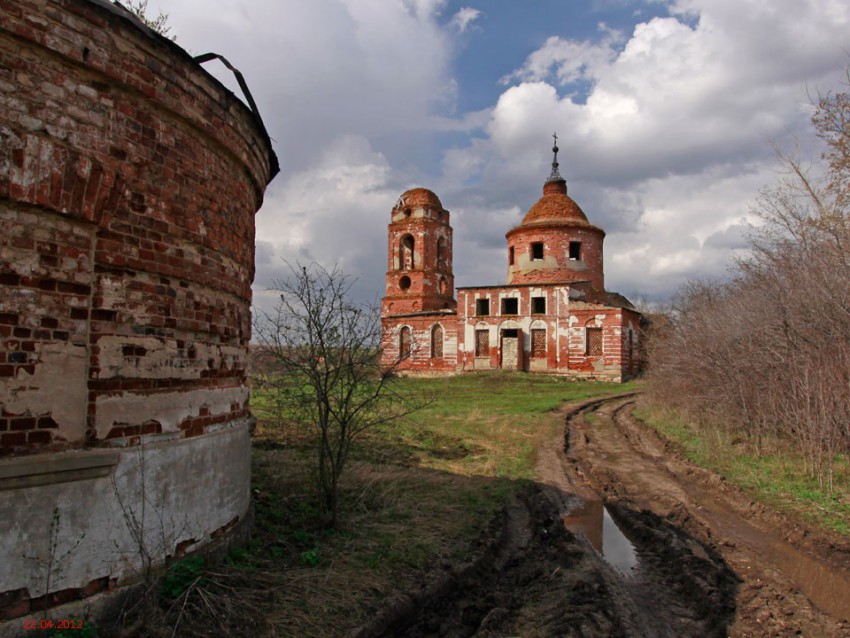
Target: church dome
pixel 555 207
pixel 419 198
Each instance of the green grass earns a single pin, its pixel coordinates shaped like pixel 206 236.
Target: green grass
pixel 776 478
pixel 484 424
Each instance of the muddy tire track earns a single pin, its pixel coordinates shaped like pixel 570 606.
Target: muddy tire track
pixel 637 471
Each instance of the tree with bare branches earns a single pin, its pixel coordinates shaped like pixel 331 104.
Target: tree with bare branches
pixel 327 351
pixel 768 353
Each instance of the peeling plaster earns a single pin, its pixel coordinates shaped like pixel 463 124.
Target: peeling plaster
pixel 169 409
pixel 57 387
pixel 525 265
pixel 163 359
pixel 166 493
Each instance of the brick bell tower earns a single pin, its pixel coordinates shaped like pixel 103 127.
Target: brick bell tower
pixel 419 272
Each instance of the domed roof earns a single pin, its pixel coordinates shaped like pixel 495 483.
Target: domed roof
pixel 555 207
pixel 419 198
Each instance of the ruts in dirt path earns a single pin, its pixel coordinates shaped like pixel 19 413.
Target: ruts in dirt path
pixel 791 581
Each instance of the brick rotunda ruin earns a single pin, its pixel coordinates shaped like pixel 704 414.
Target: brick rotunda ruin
pixel 129 180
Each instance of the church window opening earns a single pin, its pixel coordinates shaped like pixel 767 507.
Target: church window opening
pixel 538 342
pixel 437 342
pixel 444 286
pixel 407 252
pixel 538 305
pixel 441 252
pixel 510 306
pixel 482 307
pixel 404 282
pixel 405 342
pixel 482 343
pixel 575 251
pixel 593 343
pixel 537 251
pixel 511 256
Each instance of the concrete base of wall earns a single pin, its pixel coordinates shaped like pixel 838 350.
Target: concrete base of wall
pixel 74 537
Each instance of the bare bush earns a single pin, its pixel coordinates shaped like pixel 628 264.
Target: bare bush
pixel 768 353
pixel 326 354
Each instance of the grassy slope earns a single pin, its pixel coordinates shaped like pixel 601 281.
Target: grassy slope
pixel 775 477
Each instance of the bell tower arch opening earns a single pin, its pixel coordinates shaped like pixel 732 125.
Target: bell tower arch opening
pixel 407 251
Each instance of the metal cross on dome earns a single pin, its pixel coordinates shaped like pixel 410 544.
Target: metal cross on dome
pixel 555 175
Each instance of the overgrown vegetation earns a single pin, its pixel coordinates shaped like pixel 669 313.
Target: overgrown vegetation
pixel 158 24
pixel 766 357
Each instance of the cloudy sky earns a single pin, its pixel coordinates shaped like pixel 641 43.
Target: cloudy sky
pixel 666 112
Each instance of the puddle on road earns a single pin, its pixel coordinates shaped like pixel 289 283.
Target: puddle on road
pixel 825 586
pixel 591 519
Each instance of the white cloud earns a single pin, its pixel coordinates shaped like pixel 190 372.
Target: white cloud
pixel 565 61
pixel 676 128
pixel 463 19
pixel 332 212
pixel 319 69
pixel 664 141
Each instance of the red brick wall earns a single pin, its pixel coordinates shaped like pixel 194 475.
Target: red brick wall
pixel 420 359
pixel 129 180
pixel 556 266
pixel 554 321
pixel 616 323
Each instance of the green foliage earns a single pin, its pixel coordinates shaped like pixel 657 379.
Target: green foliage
pixel 182 575
pixel 310 557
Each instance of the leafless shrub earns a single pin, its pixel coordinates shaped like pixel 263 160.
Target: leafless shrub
pixel 768 353
pixel 326 349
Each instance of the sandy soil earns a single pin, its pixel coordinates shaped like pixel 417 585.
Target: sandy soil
pixel 710 563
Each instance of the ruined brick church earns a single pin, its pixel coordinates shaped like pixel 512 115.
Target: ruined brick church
pixel 552 316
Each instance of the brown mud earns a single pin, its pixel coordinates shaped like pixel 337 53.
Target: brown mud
pixel 700 558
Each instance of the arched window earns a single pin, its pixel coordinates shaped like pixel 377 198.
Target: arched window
pixel 405 342
pixel 406 252
pixel 538 343
pixel 444 286
pixel 441 253
pixel 437 341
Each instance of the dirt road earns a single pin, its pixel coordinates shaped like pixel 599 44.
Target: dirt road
pixel 791 581
pixel 622 537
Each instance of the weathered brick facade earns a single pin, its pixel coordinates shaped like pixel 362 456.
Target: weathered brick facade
pixel 553 316
pixel 129 180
